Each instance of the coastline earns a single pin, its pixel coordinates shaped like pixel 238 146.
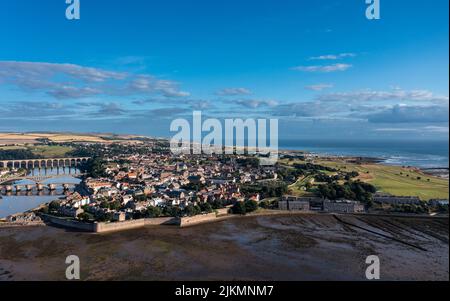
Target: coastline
pixel 438 171
pixel 406 152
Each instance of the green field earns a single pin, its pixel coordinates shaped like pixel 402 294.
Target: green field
pixel 8 148
pixel 50 151
pixel 395 180
pixel 296 188
pixel 398 180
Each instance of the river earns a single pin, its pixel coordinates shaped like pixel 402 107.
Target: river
pixel 12 203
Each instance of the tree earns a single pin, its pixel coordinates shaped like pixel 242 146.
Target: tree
pixel 206 207
pixel 238 208
pixel 115 205
pixel 95 168
pixel 192 210
pixel 358 191
pixel 86 217
pixel 217 204
pixel 106 217
pixel 140 198
pixel 153 212
pixel 172 211
pixel 54 205
pixel 268 204
pixel 44 210
pixel 250 206
pixel 18 154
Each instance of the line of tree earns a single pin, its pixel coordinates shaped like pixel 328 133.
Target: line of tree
pixel 322 177
pixel 94 168
pixel 357 191
pixel 244 207
pixel 18 154
pixel 267 189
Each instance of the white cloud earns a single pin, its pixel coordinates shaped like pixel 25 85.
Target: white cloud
pixel 319 87
pixel 432 129
pixel 66 81
pixel 390 130
pixel 325 69
pixel 378 107
pixel 393 95
pixel 333 56
pixel 437 129
pixel 410 114
pixel 234 92
pixel 254 103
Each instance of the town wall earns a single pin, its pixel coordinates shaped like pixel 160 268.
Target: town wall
pixel 111 227
pixel 119 226
pixel 223 211
pixel 69 223
pixel 201 219
pixel 161 221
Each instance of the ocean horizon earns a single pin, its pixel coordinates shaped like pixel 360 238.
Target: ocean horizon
pixel 418 153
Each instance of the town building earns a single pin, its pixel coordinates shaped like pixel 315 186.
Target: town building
pixel 343 206
pixel 396 200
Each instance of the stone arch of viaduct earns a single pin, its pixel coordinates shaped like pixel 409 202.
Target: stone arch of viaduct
pixel 43 163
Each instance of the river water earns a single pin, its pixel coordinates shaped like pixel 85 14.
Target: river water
pixel 12 203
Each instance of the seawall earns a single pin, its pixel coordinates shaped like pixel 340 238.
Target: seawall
pixel 219 215
pixel 110 227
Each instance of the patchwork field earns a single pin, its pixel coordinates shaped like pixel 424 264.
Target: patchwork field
pixel 30 138
pixel 7 139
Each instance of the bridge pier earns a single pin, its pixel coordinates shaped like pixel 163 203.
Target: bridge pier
pixel 8 188
pixel 18 188
pixel 39 187
pixel 51 187
pixel 29 187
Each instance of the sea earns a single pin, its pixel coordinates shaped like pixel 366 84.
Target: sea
pixel 422 154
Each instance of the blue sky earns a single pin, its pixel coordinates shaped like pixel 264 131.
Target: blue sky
pixel 320 67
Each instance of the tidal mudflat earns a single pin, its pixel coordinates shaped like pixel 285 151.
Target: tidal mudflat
pixel 278 247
